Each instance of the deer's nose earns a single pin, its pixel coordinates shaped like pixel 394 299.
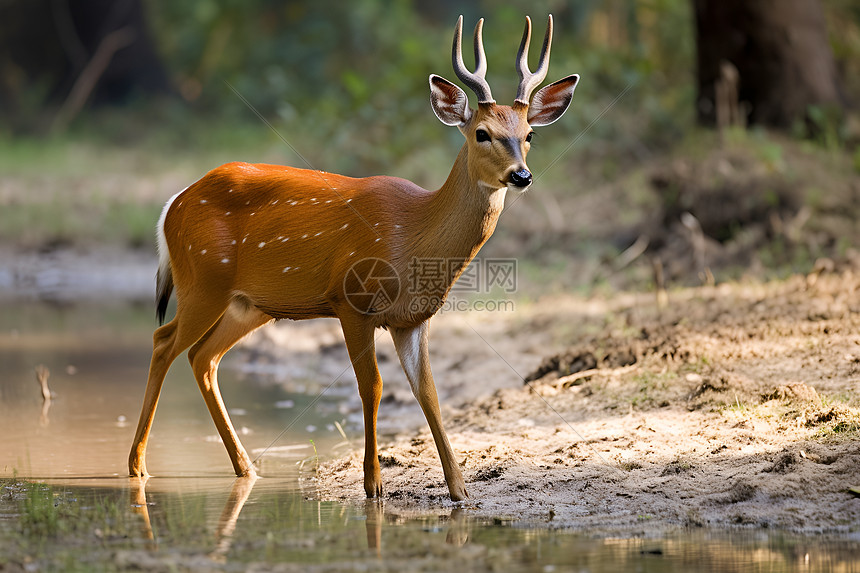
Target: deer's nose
pixel 521 178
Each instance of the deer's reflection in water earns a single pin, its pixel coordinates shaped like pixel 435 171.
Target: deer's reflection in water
pixel 225 527
pixel 457 522
pixel 458 525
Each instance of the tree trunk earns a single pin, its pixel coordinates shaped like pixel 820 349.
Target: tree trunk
pixel 772 56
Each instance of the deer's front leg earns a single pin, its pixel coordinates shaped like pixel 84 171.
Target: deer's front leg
pixel 362 353
pixel 412 348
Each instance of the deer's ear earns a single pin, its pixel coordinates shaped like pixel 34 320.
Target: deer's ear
pixel 448 101
pixel 552 101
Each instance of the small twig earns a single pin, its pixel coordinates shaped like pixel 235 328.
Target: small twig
pixel 89 77
pixel 42 374
pixel 570 379
pixel 343 434
pixel 632 252
pixel 659 283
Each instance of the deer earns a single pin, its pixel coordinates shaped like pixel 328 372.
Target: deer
pixel 249 244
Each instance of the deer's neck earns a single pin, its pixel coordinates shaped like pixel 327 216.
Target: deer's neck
pixel 461 215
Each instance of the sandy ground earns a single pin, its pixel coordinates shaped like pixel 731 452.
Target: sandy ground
pixel 734 405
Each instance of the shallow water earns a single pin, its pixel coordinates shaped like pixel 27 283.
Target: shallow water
pixel 193 514
pixel 98 361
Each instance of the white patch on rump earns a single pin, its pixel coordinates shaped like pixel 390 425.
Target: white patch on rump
pixel 161 239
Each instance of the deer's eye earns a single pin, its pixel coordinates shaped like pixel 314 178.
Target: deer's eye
pixel 481 135
pixel 529 136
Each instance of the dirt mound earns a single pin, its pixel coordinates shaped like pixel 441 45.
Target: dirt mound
pixel 796 392
pixel 735 406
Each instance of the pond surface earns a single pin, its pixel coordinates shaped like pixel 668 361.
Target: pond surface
pixel 98 361
pixel 84 513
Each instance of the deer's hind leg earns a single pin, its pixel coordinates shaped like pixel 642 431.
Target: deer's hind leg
pixel 193 319
pixel 239 320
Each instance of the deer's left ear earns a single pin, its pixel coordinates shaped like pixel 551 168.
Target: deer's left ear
pixel 552 101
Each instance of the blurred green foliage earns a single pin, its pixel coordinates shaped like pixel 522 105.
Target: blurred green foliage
pixel 350 81
pixel 345 84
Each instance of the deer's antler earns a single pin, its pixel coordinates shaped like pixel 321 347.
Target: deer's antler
pixel 475 81
pixel 528 80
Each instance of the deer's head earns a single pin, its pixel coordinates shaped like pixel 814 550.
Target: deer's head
pixel 498 137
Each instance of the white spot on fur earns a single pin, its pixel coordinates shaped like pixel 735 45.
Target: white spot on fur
pixel 304 236
pixel 352 253
pixel 345 225
pixel 320 233
pixel 203 252
pixel 228 213
pixel 203 201
pixel 225 260
pixel 287 268
pixel 233 242
pixel 377 239
pixel 261 245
